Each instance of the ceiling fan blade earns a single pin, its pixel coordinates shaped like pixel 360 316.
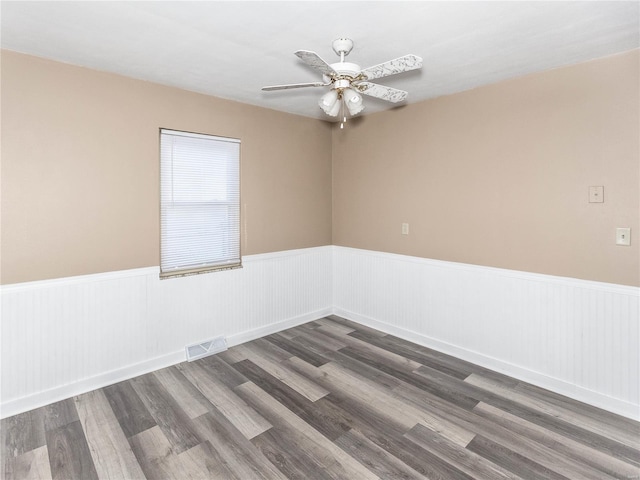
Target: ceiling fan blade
pixel 397 65
pixel 380 91
pixel 294 85
pixel 313 60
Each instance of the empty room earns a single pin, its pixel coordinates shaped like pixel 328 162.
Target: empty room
pixel 320 240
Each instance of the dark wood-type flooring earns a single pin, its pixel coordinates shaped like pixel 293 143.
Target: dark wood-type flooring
pixel 326 400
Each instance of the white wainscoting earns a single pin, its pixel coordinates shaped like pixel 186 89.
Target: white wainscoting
pixel 578 338
pixel 67 336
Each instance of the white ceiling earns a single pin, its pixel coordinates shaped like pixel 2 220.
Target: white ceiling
pixel 232 49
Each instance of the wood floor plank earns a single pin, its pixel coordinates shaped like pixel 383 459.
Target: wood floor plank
pixel 467 461
pixel 375 458
pixel 111 453
pixel 447 364
pixel 363 369
pixel 333 458
pixel 69 455
pixel 22 433
pixel 343 383
pixel 595 414
pixel 318 342
pixel 388 343
pixel 59 414
pixel 157 460
pixel 289 334
pixel 601 428
pixel 204 462
pixel 282 451
pixel 510 460
pixel 558 443
pixel 169 416
pixel 328 399
pixel 245 419
pixel 222 371
pixel 391 406
pixel 365 348
pixel 282 372
pixel 239 454
pixel 131 413
pixel 270 350
pixel 233 355
pixel 192 401
pixel 294 349
pixel 32 465
pixel 555 424
pixel 348 408
pixel 442 389
pixel 543 448
pixel 523 445
pixel 453 390
pixel 356 327
pixel 325 422
pixel 335 326
pixel 391 439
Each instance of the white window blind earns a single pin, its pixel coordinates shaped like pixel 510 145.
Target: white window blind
pixel 200 203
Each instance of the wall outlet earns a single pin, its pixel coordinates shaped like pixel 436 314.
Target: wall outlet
pixel 405 229
pixel 596 194
pixel 623 236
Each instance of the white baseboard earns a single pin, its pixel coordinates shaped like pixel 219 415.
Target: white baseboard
pixel 596 399
pixel 88 384
pixel 256 333
pixel 109 378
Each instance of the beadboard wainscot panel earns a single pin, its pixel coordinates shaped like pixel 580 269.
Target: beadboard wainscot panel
pixel 67 336
pixel 578 338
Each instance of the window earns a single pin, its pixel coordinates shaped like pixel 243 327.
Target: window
pixel 200 203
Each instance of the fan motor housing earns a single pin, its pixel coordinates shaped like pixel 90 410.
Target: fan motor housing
pixel 347 69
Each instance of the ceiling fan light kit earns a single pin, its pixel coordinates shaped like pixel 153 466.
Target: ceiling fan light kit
pixel 348 81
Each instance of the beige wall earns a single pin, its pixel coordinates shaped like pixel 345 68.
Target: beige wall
pixel 80 167
pixel 496 176
pixel 499 175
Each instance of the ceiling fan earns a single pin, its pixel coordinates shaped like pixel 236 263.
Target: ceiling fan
pixel 348 81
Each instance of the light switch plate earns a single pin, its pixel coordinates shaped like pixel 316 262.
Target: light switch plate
pixel 623 236
pixel 596 194
pixel 405 229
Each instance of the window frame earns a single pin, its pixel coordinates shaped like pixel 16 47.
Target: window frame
pixel 235 227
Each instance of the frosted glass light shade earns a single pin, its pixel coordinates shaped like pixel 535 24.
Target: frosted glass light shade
pixel 329 101
pixel 353 101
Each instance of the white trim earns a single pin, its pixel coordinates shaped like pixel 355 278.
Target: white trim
pixel 590 397
pixel 19 405
pixel 80 279
pixel 258 257
pixel 13 407
pixel 540 277
pixel 144 271
pixel 256 333
pixel 204 136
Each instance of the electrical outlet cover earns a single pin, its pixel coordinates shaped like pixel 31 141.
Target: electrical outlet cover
pixel 596 194
pixel 623 236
